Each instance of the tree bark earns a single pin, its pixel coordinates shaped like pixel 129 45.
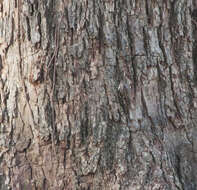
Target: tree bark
pixel 98 94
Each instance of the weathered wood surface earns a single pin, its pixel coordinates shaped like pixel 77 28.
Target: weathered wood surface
pixel 98 94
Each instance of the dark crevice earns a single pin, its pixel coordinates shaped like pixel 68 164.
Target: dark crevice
pixel 94 7
pixel 1 66
pixel 31 10
pixel 16 3
pixel 178 170
pixel 49 14
pixel 159 34
pixel 194 50
pixel 39 24
pixel 146 44
pixel 12 35
pixel 28 29
pixel 67 18
pixel 148 13
pixel 85 125
pixel 162 96
pixel 100 33
pixel 132 61
pixel 35 4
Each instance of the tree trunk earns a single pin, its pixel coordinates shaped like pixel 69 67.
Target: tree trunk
pixel 98 95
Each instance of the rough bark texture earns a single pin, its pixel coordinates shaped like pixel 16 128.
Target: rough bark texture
pixel 98 95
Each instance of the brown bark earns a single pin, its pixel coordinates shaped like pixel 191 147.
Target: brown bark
pixel 98 94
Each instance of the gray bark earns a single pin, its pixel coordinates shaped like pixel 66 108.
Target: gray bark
pixel 98 94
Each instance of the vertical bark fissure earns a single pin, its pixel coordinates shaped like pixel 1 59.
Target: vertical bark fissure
pixel 173 93
pixel 152 126
pixel 20 64
pixel 194 51
pixel 132 59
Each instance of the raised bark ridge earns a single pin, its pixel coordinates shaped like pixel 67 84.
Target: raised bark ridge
pixel 98 94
